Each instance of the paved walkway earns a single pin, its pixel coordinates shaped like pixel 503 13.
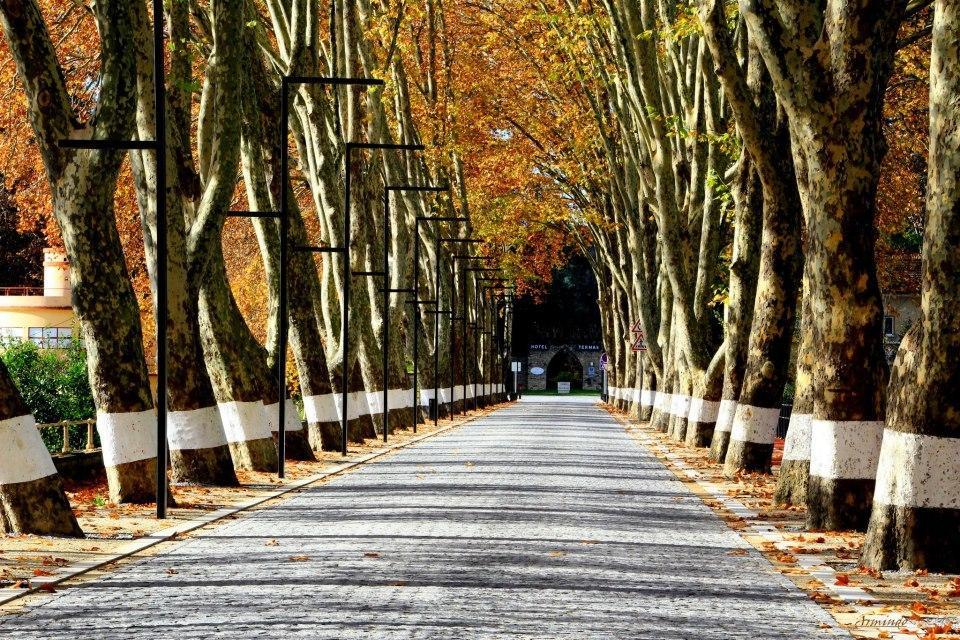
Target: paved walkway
pixel 543 520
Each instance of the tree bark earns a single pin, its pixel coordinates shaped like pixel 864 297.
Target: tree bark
pixel 198 447
pixel 237 367
pixel 744 267
pixel 916 506
pixel 82 184
pixel 758 409
pixel 832 88
pixel 795 466
pixel 32 499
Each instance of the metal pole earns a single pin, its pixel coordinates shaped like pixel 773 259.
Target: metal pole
pixel 160 139
pixel 345 306
pixel 386 311
pixel 284 320
pixel 285 83
pixel 436 336
pixel 416 320
pixel 463 343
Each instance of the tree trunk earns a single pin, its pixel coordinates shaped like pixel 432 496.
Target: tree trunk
pixel 916 508
pixel 744 268
pixel 82 184
pixel 758 409
pixel 237 367
pixel 31 495
pixel 198 447
pixel 834 100
pixel 795 466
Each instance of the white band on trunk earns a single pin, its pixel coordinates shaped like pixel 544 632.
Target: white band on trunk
pixel 704 411
pixel 244 421
pixel 725 415
pixel 845 449
pixel 195 429
pixel 320 408
pixel 918 471
pixel 127 437
pixel 662 401
pixel 796 446
pixel 636 396
pixel 755 424
pixel 356 405
pixel 399 398
pixel 375 402
pixel 646 397
pixel 291 417
pixel 680 405
pixel 25 457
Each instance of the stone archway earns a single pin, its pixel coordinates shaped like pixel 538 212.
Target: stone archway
pixel 534 373
pixel 564 366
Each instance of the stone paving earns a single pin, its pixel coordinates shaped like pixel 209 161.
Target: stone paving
pixel 543 520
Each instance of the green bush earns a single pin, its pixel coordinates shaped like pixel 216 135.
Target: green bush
pixel 54 384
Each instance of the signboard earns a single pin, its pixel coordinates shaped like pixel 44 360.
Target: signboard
pixel 516 366
pixel 578 347
pixel 638 342
pixel 537 371
pixel 603 362
pixel 563 387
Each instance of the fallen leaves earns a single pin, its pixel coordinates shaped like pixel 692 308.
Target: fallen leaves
pixel 300 558
pixel 842 580
pixel 371 554
pixel 272 543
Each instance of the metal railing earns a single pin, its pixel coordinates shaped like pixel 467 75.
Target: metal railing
pixel 784 421
pixel 65 426
pixel 33 291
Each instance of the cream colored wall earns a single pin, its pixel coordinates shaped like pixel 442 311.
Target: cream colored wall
pixel 37 317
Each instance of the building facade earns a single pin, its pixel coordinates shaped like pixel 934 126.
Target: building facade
pixel 44 314
pixel 546 364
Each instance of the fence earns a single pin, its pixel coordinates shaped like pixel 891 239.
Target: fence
pixel 68 438
pixel 784 421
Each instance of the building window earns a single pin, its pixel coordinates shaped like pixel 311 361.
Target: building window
pixel 50 337
pixel 888 327
pixel 10 334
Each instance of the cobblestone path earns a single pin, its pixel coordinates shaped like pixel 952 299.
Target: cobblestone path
pixel 543 520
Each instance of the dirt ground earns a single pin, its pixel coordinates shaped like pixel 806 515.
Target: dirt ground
pixel 113 529
pixel 869 604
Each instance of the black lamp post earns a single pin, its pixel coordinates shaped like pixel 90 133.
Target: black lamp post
pixel 417 303
pixel 453 317
pixel 285 83
pixel 387 291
